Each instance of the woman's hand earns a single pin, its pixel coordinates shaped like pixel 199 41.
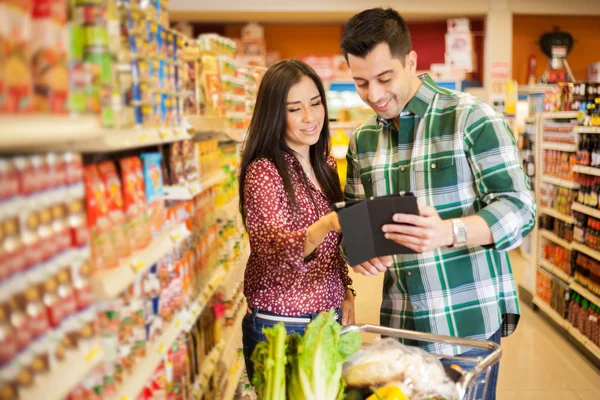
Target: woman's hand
pixel 334 222
pixel 348 309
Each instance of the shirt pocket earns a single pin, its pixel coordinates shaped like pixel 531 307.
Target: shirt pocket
pixel 374 183
pixel 437 182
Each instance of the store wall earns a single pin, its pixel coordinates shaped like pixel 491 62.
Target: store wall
pixel 298 41
pixel 527 30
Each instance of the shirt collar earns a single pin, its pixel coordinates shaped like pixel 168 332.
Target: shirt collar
pixel 420 102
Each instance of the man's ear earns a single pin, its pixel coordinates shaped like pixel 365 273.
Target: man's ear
pixel 411 61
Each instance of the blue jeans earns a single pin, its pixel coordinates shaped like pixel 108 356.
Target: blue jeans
pixel 252 332
pixel 475 353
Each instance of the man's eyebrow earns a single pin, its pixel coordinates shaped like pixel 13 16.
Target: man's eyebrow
pixel 377 76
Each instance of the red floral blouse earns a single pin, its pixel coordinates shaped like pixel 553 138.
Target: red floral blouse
pixel 278 278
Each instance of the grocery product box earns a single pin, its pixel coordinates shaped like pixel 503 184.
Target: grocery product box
pixel 460 60
pixel 459 42
pixel 594 72
pixel 459 25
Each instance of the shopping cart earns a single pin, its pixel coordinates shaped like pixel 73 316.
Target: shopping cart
pixel 467 385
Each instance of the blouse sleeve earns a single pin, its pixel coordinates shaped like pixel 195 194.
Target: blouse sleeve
pixel 267 212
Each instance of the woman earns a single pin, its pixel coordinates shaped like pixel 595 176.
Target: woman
pixel 287 186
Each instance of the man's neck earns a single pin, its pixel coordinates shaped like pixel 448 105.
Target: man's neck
pixel 416 85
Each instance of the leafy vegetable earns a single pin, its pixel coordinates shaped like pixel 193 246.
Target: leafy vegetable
pixel 269 360
pixel 306 368
pixel 315 361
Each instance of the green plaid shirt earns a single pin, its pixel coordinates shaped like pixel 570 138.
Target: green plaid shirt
pixel 457 154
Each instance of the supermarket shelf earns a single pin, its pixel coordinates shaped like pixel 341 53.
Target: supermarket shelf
pixel 526 257
pixel 110 283
pixel 21 132
pixel 530 120
pixel 207 369
pixel 208 365
pixel 592 348
pixel 587 129
pixel 559 115
pixel 570 329
pixel 570 148
pixel 206 126
pixel 582 169
pixel 233 330
pixel 549 311
pixel 585 293
pixel 239 266
pixel 143 369
pixel 80 133
pixel 62 380
pixel 593 212
pixel 555 270
pixel 554 238
pixel 560 182
pixel 586 250
pixel 235 374
pixel 558 215
pixel 189 190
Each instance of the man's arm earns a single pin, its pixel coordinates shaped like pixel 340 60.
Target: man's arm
pixel 508 212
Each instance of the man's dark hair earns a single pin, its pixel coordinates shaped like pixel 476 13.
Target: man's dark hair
pixel 371 27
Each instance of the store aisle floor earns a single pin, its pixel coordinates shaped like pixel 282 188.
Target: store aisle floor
pixel 537 362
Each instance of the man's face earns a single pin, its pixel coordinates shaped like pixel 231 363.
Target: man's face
pixel 382 81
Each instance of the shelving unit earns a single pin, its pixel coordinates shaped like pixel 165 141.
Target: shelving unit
pixel 190 190
pixel 541 234
pixel 558 215
pixel 582 169
pixel 235 375
pixel 560 182
pixel 59 383
pixel 555 270
pixel 567 327
pixel 590 130
pixel 110 283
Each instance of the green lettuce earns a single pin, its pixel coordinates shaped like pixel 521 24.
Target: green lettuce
pixel 314 369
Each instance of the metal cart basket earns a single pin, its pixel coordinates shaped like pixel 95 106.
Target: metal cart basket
pixel 473 379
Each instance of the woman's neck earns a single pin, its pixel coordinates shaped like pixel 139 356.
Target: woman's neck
pixel 302 152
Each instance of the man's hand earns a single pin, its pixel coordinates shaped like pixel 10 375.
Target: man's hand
pixel 348 309
pixel 375 266
pixel 422 233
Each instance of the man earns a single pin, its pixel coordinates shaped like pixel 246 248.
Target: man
pixel 458 156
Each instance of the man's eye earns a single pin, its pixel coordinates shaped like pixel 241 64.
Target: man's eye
pixel 385 81
pixel 362 85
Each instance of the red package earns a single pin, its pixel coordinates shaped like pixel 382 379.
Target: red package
pixel 81 272
pixel 9 179
pixel 103 254
pixel 110 177
pixel 13 258
pixel 76 216
pixel 135 201
pixel 29 221
pixel 73 168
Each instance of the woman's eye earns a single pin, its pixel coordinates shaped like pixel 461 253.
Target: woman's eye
pixel 293 110
pixel 316 104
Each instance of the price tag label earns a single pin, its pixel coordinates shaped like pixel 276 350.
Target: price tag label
pixel 177 324
pixel 180 132
pixel 195 188
pixel 197 310
pixel 125 398
pixel 164 133
pixel 175 237
pixel 161 348
pixel 137 266
pixel 143 137
pixel 92 354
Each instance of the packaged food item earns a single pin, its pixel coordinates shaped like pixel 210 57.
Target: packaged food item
pixel 49 56
pixel 51 300
pixel 81 271
pixel 109 175
pixel 103 254
pixel 8 382
pixel 76 218
pixel 30 301
pixel 8 340
pixel 16 64
pixel 135 201
pixel 154 190
pixel 13 257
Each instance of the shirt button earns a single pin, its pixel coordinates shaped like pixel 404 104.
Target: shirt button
pixel 433 166
pixel 402 169
pixel 415 308
pixel 409 273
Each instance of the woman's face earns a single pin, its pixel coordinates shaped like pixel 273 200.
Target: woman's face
pixel 305 115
